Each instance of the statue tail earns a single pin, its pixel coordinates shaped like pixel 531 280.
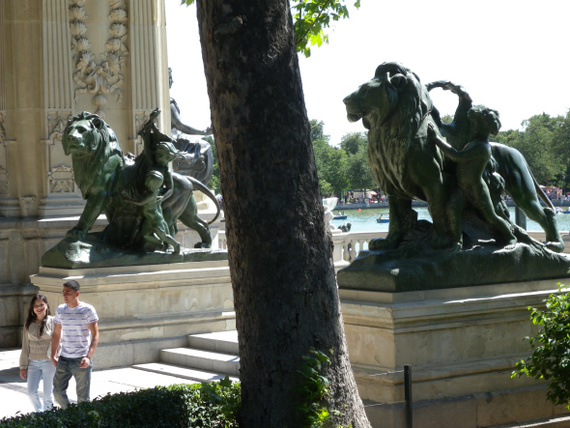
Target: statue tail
pixel 204 189
pixel 539 190
pixel 542 195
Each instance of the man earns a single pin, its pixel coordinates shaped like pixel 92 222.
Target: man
pixel 77 330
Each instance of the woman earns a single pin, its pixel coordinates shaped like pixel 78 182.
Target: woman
pixel 35 359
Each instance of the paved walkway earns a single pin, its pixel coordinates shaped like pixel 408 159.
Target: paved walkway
pixel 14 399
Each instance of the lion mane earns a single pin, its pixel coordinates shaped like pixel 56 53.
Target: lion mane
pixel 396 109
pixel 393 106
pixel 95 152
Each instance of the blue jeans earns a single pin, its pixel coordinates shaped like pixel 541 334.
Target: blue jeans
pixel 67 367
pixel 38 369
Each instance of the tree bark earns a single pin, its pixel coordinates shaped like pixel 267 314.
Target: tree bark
pixel 280 253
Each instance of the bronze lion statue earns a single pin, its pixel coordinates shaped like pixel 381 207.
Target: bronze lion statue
pixel 396 109
pixel 103 173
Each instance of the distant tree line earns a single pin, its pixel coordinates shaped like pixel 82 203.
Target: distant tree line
pixel 545 143
pixel 344 167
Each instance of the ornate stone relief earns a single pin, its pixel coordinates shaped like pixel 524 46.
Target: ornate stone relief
pixel 93 75
pixel 28 205
pixel 61 180
pixel 60 175
pixel 3 181
pixel 141 117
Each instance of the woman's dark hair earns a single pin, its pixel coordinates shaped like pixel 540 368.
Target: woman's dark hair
pixel 32 314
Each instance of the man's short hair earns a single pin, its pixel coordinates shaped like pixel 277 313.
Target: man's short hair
pixel 72 284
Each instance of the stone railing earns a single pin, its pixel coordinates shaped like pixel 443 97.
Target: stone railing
pixel 351 243
pixel 347 245
pixel 222 241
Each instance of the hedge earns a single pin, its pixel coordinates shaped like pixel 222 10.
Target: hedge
pixel 208 405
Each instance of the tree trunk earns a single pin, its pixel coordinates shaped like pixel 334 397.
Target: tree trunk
pixel 280 254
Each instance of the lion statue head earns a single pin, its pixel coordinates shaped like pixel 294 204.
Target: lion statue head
pixel 395 97
pixel 95 152
pixel 395 107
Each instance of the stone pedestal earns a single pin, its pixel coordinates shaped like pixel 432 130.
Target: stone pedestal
pixel 144 309
pixel 462 344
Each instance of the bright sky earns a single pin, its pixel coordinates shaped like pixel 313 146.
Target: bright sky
pixel 511 55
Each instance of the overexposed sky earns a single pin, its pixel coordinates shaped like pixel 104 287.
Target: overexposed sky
pixel 511 55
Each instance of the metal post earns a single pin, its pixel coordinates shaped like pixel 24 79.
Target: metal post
pixel 520 217
pixel 408 395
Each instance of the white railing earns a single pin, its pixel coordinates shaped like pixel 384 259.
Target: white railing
pixel 222 241
pixel 347 245
pixel 351 243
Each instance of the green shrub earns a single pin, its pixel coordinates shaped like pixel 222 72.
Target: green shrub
pixel 315 389
pixel 550 359
pixel 207 405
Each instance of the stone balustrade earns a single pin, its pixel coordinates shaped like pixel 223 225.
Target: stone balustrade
pixel 347 245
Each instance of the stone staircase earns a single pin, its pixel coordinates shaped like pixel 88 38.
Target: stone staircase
pixel 208 357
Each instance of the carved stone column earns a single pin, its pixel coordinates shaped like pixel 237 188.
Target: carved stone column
pixel 61 57
pixel 60 195
pixel 148 58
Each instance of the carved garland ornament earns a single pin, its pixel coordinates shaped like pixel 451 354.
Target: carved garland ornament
pixel 99 77
pixel 60 177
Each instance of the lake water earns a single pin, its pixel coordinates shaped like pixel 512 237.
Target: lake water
pixel 365 220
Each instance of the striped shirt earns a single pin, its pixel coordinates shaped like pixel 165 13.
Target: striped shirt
pixel 75 333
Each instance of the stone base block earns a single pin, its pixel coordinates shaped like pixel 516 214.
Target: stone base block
pixel 143 309
pixel 462 345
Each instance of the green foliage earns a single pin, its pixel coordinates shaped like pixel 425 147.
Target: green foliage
pixel 341 168
pixel 311 18
pixel 332 167
pixel 356 146
pixel 318 131
pixel 206 405
pixel 550 359
pixel 545 144
pixel 315 389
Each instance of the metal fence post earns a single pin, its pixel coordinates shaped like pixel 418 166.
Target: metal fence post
pixel 408 395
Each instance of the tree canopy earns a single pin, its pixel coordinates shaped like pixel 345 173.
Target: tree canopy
pixel 545 144
pixel 344 167
pixel 311 18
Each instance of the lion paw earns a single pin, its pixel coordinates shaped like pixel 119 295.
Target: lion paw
pixel 76 234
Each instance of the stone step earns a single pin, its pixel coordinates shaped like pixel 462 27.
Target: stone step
pixel 202 360
pixel 194 376
pixel 225 342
